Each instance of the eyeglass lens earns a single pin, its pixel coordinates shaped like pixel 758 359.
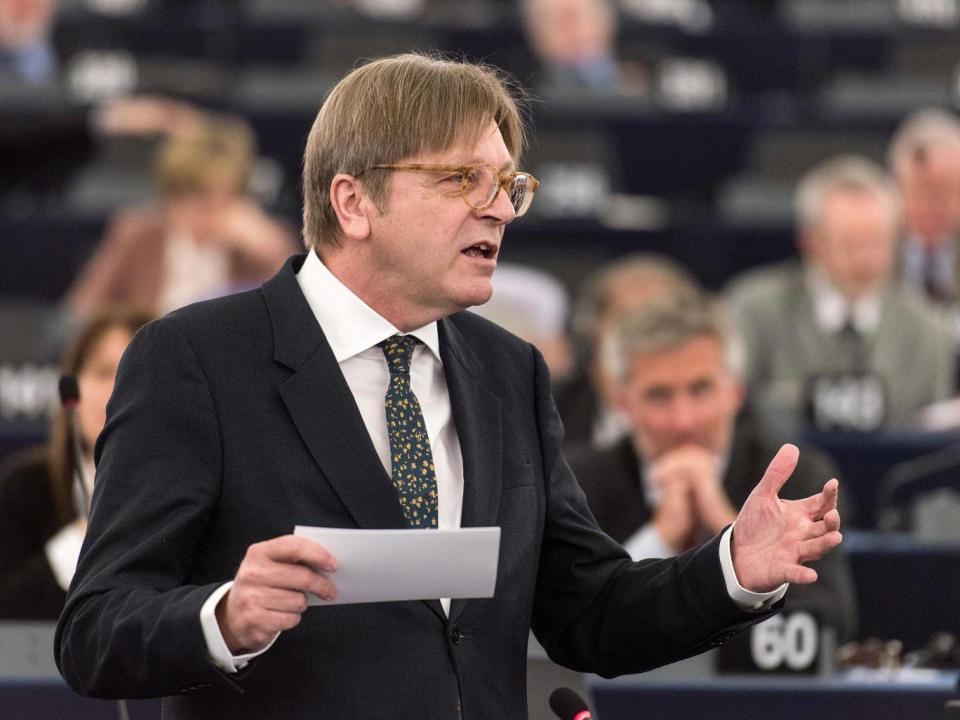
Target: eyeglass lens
pixel 482 186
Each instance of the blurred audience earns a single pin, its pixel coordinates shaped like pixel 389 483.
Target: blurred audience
pixel 925 160
pixel 586 402
pixel 27 54
pixel 205 237
pixel 533 305
pixel 42 515
pixel 574 42
pixel 690 461
pixel 834 341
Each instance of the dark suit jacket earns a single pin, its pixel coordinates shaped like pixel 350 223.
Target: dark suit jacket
pixel 231 422
pixel 611 480
pixel 28 588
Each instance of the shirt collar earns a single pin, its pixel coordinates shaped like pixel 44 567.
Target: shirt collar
pixel 919 262
pixel 349 324
pixel 832 310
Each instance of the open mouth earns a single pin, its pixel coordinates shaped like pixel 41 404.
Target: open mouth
pixel 483 250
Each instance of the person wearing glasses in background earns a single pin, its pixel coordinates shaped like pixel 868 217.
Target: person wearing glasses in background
pixel 308 402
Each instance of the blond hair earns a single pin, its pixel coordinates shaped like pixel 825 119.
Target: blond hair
pixel 396 108
pixel 213 154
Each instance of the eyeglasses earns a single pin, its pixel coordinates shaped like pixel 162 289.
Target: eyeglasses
pixel 480 183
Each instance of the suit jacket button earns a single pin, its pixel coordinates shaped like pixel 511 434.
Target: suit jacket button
pixel 456 637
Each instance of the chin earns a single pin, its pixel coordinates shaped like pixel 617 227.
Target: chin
pixel 473 296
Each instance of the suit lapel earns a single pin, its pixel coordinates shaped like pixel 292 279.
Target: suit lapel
pixel 326 416
pixel 323 408
pixel 476 412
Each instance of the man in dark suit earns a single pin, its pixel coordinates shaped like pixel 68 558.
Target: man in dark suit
pixel 234 420
pixel 685 469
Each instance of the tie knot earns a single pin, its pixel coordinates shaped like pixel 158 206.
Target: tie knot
pixel 398 350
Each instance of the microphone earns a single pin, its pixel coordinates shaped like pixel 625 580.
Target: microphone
pixel 568 705
pixel 69 391
pixel 69 398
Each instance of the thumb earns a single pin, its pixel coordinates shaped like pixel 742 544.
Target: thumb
pixel 779 470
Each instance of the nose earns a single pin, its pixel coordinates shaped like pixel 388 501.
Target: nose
pixel 501 209
pixel 683 416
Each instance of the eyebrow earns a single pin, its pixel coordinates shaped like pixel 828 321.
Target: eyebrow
pixel 508 166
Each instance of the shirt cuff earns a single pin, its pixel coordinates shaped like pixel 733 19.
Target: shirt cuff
pixel 216 645
pixel 647 543
pixel 63 551
pixel 743 598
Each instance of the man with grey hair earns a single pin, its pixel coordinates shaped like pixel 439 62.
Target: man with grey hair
pixel 834 341
pixel 586 403
pixel 681 475
pixel 924 158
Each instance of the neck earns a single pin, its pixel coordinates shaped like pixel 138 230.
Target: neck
pixel 378 291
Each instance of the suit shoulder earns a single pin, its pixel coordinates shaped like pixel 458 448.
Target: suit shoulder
pixel 759 286
pixel 486 338
pixel 221 319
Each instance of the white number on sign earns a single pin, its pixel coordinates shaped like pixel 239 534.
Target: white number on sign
pixel 792 641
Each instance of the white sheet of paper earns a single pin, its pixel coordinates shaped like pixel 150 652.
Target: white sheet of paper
pixel 384 565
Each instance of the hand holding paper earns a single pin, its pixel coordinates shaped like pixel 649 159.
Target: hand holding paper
pixel 385 565
pixel 269 591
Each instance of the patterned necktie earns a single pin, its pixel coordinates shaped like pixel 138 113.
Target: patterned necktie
pixel 411 459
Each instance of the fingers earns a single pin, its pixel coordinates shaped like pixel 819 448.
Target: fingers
pixel 817 506
pixel 260 570
pixel 270 590
pixel 828 498
pixel 829 523
pixel 824 501
pixel 800 575
pixel 779 470
pixel 815 548
pixel 294 549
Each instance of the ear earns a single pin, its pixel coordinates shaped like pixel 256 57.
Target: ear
pixel 351 205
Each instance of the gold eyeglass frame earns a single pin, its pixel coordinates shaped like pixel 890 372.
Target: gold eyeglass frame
pixel 502 180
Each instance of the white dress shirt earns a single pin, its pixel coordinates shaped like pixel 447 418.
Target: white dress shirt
pixel 353 330
pixel 934 262
pixel 832 311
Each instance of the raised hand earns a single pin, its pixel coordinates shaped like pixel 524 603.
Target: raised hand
pixel 269 592
pixel 772 538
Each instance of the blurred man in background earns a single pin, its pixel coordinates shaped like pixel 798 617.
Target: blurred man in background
pixel 681 474
pixel 27 55
pixel 925 161
pixel 586 404
pixel 575 43
pixel 835 342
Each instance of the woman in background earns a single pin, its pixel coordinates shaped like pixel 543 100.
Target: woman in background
pixel 41 523
pixel 205 236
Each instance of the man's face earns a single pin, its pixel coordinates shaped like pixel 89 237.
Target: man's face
pixel 431 253
pixel 681 396
pixel 854 241
pixel 23 22
pixel 931 195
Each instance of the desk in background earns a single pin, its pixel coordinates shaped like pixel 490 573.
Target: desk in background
pixel 754 698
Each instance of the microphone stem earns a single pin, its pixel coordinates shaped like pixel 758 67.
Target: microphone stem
pixel 79 474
